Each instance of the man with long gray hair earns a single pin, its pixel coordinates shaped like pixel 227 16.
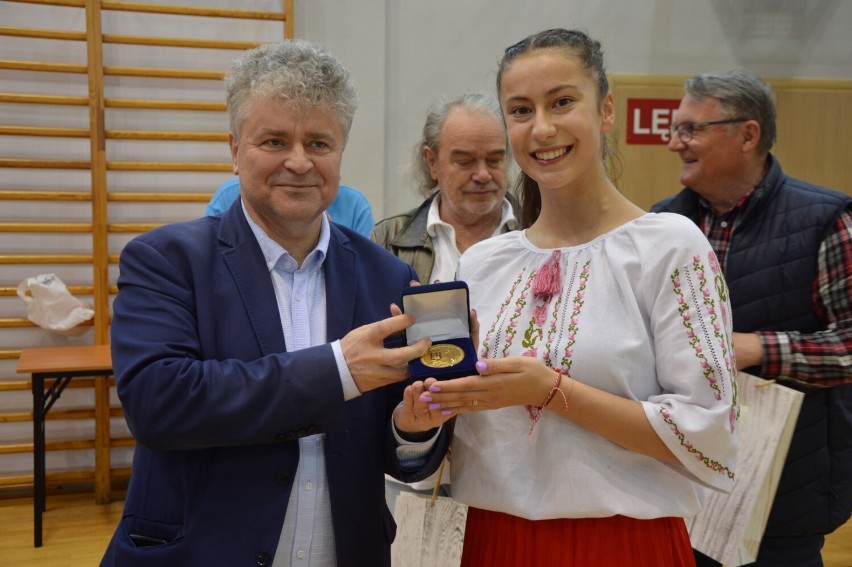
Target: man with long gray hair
pixel 460 168
pixel 252 351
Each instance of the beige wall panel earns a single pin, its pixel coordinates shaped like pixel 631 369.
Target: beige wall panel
pixel 814 129
pixel 649 172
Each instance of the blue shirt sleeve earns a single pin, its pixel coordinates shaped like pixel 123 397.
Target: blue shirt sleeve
pixel 363 223
pixel 352 209
pixel 224 197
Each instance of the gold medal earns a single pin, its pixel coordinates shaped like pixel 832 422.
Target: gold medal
pixel 442 356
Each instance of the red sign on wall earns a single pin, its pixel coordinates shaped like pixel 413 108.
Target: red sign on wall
pixel 649 120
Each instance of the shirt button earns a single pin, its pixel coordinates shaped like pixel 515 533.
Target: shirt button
pixel 309 485
pixel 300 554
pixel 298 297
pixel 724 224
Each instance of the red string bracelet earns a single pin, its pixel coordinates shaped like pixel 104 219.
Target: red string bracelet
pixel 537 411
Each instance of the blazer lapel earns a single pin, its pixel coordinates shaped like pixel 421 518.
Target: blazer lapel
pixel 340 286
pixel 251 277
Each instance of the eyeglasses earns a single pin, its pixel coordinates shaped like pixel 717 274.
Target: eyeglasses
pixel 686 130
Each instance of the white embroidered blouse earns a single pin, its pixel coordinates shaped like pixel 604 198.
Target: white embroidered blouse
pixel 643 314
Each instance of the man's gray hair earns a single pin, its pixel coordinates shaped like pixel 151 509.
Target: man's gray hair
pixel 742 95
pixel 293 70
pixel 471 102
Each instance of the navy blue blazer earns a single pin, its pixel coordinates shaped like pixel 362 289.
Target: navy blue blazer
pixel 217 404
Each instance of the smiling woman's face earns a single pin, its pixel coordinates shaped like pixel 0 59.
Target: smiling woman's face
pixel 554 118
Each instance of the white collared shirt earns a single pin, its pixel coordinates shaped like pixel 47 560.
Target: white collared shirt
pixel 444 239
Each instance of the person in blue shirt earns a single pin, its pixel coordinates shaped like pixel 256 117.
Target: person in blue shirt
pixel 350 208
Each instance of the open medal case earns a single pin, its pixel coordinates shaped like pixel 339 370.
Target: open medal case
pixel 442 312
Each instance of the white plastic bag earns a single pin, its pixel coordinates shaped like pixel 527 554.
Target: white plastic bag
pixel 51 306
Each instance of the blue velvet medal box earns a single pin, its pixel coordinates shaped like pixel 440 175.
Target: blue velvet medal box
pixel 442 312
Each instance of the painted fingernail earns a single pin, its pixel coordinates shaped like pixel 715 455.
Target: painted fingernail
pixel 446 412
pixel 424 398
pixel 434 388
pixel 434 406
pixel 481 366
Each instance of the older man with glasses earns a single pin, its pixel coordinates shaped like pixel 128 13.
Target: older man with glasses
pixel 785 247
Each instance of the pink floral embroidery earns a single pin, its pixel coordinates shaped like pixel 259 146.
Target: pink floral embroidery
pixel 708 462
pixel 533 334
pixel 551 332
pixel 694 340
pixel 512 327
pixel 483 353
pixel 724 341
pixel 711 329
pixel 714 262
pixel 572 320
pixel 540 314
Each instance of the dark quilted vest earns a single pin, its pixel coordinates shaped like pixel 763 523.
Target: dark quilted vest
pixel 770 269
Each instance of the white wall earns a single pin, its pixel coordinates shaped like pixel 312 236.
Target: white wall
pixel 355 33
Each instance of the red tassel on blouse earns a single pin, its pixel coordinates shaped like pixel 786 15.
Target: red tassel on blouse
pixel 548 281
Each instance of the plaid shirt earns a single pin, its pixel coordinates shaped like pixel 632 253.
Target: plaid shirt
pixel 823 358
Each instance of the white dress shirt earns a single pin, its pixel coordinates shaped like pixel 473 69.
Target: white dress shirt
pixel 444 239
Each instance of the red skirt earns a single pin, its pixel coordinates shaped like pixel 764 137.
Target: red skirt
pixel 496 539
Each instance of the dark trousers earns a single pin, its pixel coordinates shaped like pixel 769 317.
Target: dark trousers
pixel 779 552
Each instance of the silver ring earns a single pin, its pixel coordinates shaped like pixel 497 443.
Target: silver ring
pixel 473 403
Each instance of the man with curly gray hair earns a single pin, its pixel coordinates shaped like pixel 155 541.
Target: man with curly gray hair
pixel 253 352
